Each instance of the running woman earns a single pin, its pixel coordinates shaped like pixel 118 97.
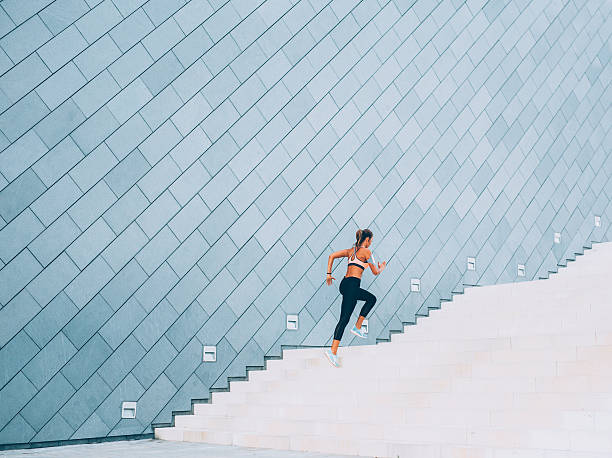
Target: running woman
pixel 350 289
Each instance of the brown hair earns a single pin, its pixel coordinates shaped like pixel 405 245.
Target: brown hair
pixel 361 235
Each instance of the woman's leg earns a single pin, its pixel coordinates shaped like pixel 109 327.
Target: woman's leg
pixel 370 300
pixel 349 300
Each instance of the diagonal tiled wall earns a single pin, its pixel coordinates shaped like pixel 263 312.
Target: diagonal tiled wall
pixel 175 174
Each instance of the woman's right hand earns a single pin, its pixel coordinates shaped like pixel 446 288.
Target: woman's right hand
pixel 384 264
pixel 329 279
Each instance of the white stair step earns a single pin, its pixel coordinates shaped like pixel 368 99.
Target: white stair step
pixel 387 391
pixel 435 361
pixel 417 417
pixel 552 326
pixel 405 355
pixel 346 438
pixel 180 434
pixel 502 320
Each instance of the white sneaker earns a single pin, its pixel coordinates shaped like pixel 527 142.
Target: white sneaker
pixel 333 359
pixel 359 332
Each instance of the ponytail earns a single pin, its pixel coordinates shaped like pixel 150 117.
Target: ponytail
pixel 358 236
pixel 361 235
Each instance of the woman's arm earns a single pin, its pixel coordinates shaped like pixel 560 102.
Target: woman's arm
pixel 330 263
pixel 373 267
pixel 370 261
pixel 337 254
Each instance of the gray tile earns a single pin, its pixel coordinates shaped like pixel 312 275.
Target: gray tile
pixel 50 320
pixel 122 323
pixel 186 326
pixel 87 321
pixel 155 361
pixel 86 361
pixel 14 355
pixel 18 234
pixel 19 194
pixel 121 362
pixel 47 401
pixel 155 324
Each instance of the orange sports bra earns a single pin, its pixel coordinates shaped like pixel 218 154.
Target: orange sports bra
pixel 356 261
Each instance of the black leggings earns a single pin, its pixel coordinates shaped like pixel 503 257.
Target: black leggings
pixel 351 293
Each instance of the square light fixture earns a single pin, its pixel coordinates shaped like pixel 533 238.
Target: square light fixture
pixel 128 409
pixel 415 285
pixel 210 354
pixel 521 270
pixel 557 237
pixel 292 322
pixel 364 326
pixel 597 221
pixel 471 263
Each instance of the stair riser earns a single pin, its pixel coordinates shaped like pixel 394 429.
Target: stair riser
pixel 483 444
pixel 411 346
pixel 559 361
pixel 387 390
pixel 599 325
pixel 528 342
pixel 418 418
pixel 529 311
pixel 350 409
pixel 400 358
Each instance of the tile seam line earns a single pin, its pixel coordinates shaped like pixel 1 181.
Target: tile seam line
pixel 220 137
pixel 2 37
pixel 276 341
pixel 570 213
pixel 131 117
pixel 449 209
pixel 135 185
pixel 126 264
pixel 197 229
pixel 552 142
pixel 123 18
pixel 83 193
pixel 121 88
pixel 55 145
pixel 171 50
pixel 466 132
pixel 41 20
pixel 532 147
pixel 156 269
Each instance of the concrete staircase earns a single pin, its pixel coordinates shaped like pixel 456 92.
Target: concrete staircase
pixel 512 370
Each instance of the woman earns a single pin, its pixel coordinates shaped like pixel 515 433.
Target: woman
pixel 351 290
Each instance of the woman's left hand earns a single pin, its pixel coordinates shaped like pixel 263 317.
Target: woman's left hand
pixel 329 279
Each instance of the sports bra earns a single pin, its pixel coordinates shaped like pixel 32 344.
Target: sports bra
pixel 357 262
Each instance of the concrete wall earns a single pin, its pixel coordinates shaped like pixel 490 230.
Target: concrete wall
pixel 175 174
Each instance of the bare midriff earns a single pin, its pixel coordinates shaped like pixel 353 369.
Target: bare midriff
pixel 354 271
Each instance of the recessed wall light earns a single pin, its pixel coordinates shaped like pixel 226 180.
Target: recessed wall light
pixel 210 354
pixel 128 409
pixel 292 322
